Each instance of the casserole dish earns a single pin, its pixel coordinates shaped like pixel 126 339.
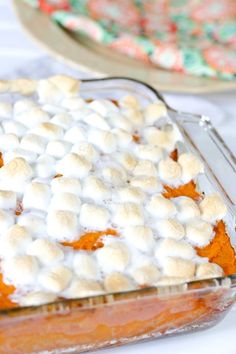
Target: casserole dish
pixel 113 319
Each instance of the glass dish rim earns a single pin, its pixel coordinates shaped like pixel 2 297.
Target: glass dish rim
pixel 88 302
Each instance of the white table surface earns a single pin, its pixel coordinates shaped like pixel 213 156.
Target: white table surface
pixel 16 50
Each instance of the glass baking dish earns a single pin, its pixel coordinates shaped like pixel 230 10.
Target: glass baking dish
pixel 75 326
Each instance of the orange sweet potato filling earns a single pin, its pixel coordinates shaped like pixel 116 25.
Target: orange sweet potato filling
pixel 174 155
pixel 1 160
pixel 5 291
pixel 187 190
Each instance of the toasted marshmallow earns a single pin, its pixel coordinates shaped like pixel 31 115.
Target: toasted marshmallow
pixel 45 166
pixel 5 110
pixel 149 152
pixel 15 128
pixel 147 274
pixel 85 266
pixel 33 117
pixel 187 209
pixel 6 220
pixel 212 208
pixel 7 200
pixel 73 165
pixel 23 86
pixel 83 288
pixel 20 270
pixel 80 114
pixel 134 116
pixel 172 248
pixel 128 214
pixel 178 267
pixel 46 251
pixel 27 155
pixel 120 122
pixel 103 107
pixel 66 201
pixel 129 101
pixel 86 150
pixel 104 140
pixel 65 184
pixel 161 207
pixel 131 194
pixel 73 103
pixel 37 195
pixel 15 174
pixel 55 279
pixel 191 166
pixel 170 228
pixel 147 184
pixel 75 134
pixel 48 131
pixel 8 141
pixel 199 233
pixel 62 225
pixel 123 138
pixel 163 139
pixel 140 237
pixel 23 105
pixel 34 224
pixel 95 189
pixel 208 270
pixel 117 282
pixel 154 111
pixel 169 281
pixel 58 148
pixel 36 298
pixel 53 109
pixel 96 120
pixel 62 119
pixel 94 217
pixel 145 168
pixel 113 257
pixel 169 170
pixel 127 161
pixel 114 175
pixel 14 241
pixel 33 143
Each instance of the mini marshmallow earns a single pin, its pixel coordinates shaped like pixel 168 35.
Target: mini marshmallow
pixel 48 131
pixel 147 184
pixel 79 115
pixel 154 111
pixel 45 251
pixel 37 195
pixel 134 116
pixel 131 194
pixel 128 214
pixel 20 270
pixel 94 217
pixel 36 298
pixel 33 117
pixel 119 121
pixel 140 237
pixel 149 152
pixel 85 266
pixel 66 201
pixel 86 150
pixel 145 168
pixel 73 165
pixel 23 105
pixel 7 200
pixel 15 128
pixel 129 101
pixel 45 166
pixel 127 161
pixel 8 141
pixel 58 148
pixel 103 107
pixel 97 121
pixel 117 282
pixel 170 228
pixel 191 166
pixel 199 232
pixel 161 207
pixel 104 140
pixel 163 139
pixel 27 155
pixel 6 220
pixel 80 288
pixel 55 279
pixel 208 270
pixel 171 248
pixel 123 138
pixel 23 86
pixel 15 174
pixel 62 119
pixel 65 184
pixel 146 275
pixel 169 281
pixel 113 257
pixel 5 110
pixel 177 267
pixel 113 175
pixel 53 109
pixel 73 103
pixel 62 225
pixel 74 135
pixel 187 209
pixel 169 170
pixel 212 208
pixel 34 224
pixel 95 189
pixel 14 241
pixel 33 143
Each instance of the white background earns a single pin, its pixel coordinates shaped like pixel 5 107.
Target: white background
pixel 16 49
